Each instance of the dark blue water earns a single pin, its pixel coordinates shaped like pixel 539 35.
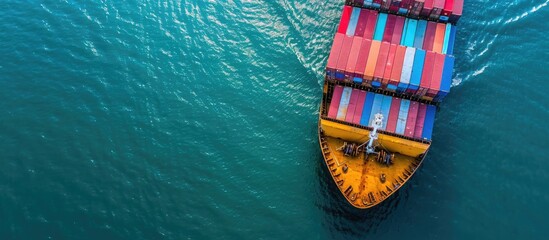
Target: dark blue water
pixel 196 120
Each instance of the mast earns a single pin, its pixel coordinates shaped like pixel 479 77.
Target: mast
pixel 376 124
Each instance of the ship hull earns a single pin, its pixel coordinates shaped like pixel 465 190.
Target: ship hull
pixel 363 181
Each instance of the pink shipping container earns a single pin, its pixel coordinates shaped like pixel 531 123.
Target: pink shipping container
pixel 393 115
pixel 420 120
pixel 397 32
pixel 412 118
pixel 353 58
pixel 371 24
pixel 334 104
pixel 362 59
pixel 389 28
pixel 359 107
pixel 438 5
pixel 426 74
pixel 343 57
pixel 436 79
pixel 334 55
pixel 381 63
pixel 389 65
pixel 429 38
pixel 427 8
pixel 397 66
pixel 352 105
pixel 362 21
pixel 456 11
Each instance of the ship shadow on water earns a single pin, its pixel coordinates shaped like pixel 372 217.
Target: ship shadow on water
pixel 341 218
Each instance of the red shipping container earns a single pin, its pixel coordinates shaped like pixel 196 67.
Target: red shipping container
pixel 334 104
pixel 344 57
pixel 393 115
pixel 371 24
pixel 334 54
pixel 427 73
pixel 397 65
pixel 381 61
pixel 389 28
pixel 436 79
pixel 397 33
pixel 352 105
pixel 412 118
pixel 359 107
pixel 353 58
pixel 429 38
pixel 427 7
pixel 439 37
pixel 344 21
pixel 422 110
pixel 362 21
pixel 389 65
pixel 448 8
pixel 362 58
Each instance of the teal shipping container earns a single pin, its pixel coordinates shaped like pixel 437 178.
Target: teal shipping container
pixel 420 34
pixel 380 26
pixel 410 33
pixel 402 116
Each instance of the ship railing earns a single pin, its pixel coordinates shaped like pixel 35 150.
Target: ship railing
pixel 379 90
pixel 379 131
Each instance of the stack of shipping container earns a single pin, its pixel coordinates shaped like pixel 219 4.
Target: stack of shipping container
pixel 394 53
pixel 435 10
pixel 404 48
pixel 401 116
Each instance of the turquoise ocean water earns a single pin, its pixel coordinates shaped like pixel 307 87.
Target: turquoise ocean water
pixel 197 120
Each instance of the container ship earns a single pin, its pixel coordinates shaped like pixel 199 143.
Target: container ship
pixel 390 66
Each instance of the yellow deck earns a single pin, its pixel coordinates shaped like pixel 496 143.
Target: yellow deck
pixel 361 184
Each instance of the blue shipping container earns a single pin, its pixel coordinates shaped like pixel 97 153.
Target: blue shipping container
pixel 376 107
pixel 450 50
pixel 417 70
pixel 446 78
pixel 385 108
pixel 344 103
pixel 380 26
pixel 353 22
pixel 367 109
pixel 429 122
pixel 402 116
pixel 410 33
pixel 420 34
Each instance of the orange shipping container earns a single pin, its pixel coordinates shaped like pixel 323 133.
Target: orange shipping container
pixel 371 65
pixel 439 38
